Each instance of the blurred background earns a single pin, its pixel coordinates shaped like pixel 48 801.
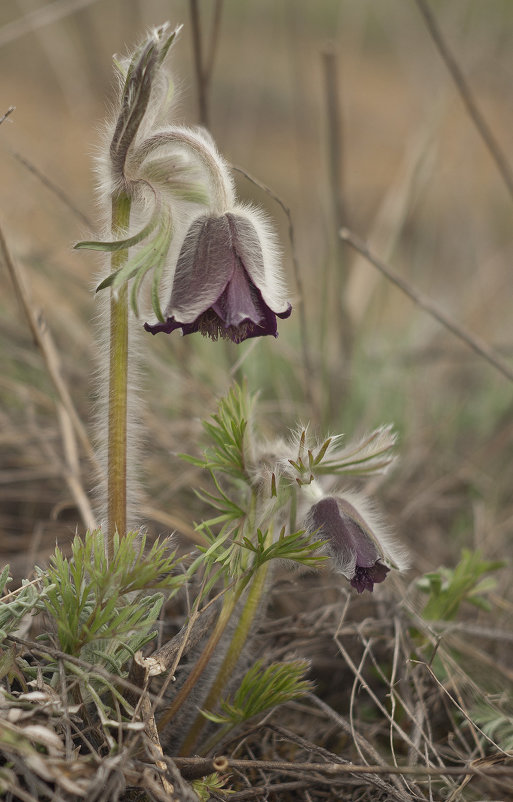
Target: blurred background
pixel 346 112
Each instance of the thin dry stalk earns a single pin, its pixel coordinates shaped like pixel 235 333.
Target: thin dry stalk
pixel 467 96
pixel 357 671
pixel 53 187
pixel 458 704
pixel 360 743
pixel 394 696
pixel 40 17
pixel 70 423
pixel 307 361
pixel 204 63
pixel 208 765
pixel 388 223
pixel 7 113
pixel 335 138
pixel 429 306
pixel 336 184
pixel 70 468
pixel 44 340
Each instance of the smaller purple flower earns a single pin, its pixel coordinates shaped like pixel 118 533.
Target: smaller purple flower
pixel 227 282
pixel 351 543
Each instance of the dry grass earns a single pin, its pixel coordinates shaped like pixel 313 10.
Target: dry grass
pixel 421 187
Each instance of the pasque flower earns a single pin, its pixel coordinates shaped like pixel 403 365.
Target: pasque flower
pixel 227 282
pixel 355 540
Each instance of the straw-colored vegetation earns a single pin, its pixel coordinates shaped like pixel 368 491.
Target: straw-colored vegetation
pixel 334 114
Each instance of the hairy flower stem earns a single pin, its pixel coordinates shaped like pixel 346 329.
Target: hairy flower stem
pixel 230 660
pixel 230 600
pixel 118 386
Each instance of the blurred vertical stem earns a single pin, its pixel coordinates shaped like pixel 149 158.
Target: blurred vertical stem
pixel 118 384
pixel 232 655
pixel 340 380
pixel 204 62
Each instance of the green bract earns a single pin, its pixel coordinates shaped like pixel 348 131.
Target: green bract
pixel 103 609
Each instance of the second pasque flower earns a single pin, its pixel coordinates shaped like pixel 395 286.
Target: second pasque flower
pixel 355 540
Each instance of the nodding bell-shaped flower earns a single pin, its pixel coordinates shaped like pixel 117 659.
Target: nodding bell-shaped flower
pixel 354 540
pixel 227 281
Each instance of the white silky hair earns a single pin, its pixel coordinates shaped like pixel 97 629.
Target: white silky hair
pixel 196 145
pixel 135 405
pixel 164 99
pixel 107 186
pixel 274 290
pixel 374 448
pixel 270 281
pixel 391 551
pixel 199 142
pixel 193 146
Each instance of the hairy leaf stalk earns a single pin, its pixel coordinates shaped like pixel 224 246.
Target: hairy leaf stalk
pixel 230 601
pixel 237 643
pixel 118 385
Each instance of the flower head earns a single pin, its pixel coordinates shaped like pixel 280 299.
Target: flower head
pixel 353 541
pixel 227 282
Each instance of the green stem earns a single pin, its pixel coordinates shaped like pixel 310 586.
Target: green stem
pixel 118 385
pixel 230 600
pixel 230 660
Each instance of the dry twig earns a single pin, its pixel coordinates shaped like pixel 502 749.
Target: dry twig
pixel 467 96
pixel 204 65
pixel 7 113
pixel 53 187
pixel 69 420
pixel 203 766
pixel 45 15
pixel 429 306
pixel 307 362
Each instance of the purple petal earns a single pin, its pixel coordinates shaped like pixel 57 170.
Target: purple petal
pixel 239 300
pixel 366 551
pixel 205 266
pixel 246 244
pixel 214 291
pixel 286 313
pixel 168 326
pixel 348 542
pixel 211 325
pixel 366 578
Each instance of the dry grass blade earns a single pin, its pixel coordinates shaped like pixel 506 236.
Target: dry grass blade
pixel 467 96
pixel 429 306
pixel 459 706
pixel 46 15
pixel 363 746
pixel 7 113
pixel 52 186
pixel 207 766
pixel 389 221
pixel 141 671
pixel 204 63
pixel 69 420
pixel 307 361
pixel 44 340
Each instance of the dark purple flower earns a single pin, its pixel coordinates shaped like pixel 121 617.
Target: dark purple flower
pixel 227 281
pixel 350 542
